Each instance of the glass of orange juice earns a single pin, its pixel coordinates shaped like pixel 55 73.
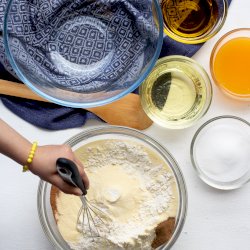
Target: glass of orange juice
pixel 230 63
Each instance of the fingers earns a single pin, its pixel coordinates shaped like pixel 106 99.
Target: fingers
pixel 64 186
pixel 69 151
pixel 82 172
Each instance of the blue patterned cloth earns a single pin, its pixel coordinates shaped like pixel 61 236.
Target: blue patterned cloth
pixel 82 46
pixel 52 116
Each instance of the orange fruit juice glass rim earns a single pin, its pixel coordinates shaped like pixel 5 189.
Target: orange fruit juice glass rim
pixel 229 63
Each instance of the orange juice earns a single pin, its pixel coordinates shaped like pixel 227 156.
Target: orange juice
pixel 231 66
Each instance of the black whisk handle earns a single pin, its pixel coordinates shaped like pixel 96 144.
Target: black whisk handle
pixel 69 172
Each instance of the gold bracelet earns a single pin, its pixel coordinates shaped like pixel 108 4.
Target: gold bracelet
pixel 30 157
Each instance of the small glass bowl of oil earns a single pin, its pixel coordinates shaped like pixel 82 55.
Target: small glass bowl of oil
pixel 229 63
pixel 193 21
pixel 177 93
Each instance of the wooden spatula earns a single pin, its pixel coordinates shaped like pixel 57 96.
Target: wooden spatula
pixel 124 112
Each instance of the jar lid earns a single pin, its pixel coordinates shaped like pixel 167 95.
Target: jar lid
pixel 220 152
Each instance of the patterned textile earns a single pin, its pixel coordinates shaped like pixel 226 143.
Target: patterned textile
pixel 82 46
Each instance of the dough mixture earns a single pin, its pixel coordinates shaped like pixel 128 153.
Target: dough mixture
pixel 132 185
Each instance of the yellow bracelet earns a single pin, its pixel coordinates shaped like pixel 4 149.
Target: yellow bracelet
pixel 30 157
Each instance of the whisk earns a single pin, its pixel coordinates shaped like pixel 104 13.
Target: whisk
pixel 88 213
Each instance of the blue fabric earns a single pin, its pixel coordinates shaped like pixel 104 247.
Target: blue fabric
pixel 54 117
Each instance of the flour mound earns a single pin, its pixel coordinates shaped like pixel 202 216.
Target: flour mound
pixel 134 207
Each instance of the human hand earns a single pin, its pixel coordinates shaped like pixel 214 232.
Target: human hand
pixel 44 165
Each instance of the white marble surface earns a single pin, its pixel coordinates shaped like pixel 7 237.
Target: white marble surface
pixel 216 220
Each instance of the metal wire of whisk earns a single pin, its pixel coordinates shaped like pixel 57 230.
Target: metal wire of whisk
pixel 89 216
pixel 88 211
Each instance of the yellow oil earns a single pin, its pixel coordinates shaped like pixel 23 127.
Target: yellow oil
pixel 189 18
pixel 173 95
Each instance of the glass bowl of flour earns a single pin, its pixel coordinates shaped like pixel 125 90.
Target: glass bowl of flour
pixel 133 179
pixel 82 53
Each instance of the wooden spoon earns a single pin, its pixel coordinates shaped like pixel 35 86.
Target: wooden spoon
pixel 124 112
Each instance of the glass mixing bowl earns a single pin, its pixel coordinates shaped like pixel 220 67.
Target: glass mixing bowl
pixel 111 132
pixel 82 53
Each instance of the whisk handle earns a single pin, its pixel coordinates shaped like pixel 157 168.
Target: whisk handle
pixel 69 172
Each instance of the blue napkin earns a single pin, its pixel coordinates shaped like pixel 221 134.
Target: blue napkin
pixel 55 117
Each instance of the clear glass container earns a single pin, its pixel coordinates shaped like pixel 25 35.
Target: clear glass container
pixel 111 132
pixel 193 22
pixel 220 152
pixel 80 54
pixel 177 92
pixel 231 72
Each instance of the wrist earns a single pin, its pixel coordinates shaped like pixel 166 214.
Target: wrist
pixel 30 157
pixel 19 152
pixel 12 144
pixel 22 155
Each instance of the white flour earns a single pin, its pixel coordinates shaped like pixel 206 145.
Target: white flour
pixel 136 189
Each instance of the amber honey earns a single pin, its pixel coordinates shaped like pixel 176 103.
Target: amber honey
pixel 230 66
pixel 189 18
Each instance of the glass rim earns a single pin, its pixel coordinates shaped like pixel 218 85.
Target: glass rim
pixel 212 57
pixel 161 150
pixel 209 90
pixel 204 37
pixel 206 179
pixel 88 104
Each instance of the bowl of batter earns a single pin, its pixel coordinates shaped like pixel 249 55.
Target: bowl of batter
pixel 133 179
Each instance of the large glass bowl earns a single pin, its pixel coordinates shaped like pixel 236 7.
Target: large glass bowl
pixel 82 53
pixel 111 132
